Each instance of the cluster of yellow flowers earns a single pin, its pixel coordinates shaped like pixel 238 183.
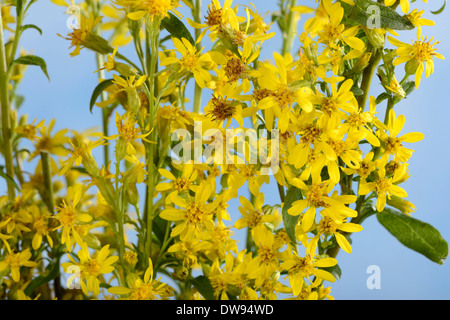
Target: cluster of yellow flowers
pixel 151 223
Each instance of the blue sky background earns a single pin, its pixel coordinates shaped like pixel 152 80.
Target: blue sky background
pixel 404 274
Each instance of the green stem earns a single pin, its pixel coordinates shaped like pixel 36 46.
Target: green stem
pixel 367 79
pixel 6 120
pixel 389 106
pixel 196 12
pixel 46 172
pixel 288 34
pixel 153 34
pixel 105 116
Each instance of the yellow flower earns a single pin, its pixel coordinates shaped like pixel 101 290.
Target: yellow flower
pixel 384 186
pixel 226 106
pixel 334 31
pixel 177 185
pixel 191 60
pixel 253 215
pixel 154 8
pixel 16 260
pixel 81 149
pixel 84 36
pixel 53 144
pixel 317 196
pixel 404 4
pixel 90 268
pixel 69 217
pixel 299 268
pixel 282 96
pixel 416 19
pixel 341 100
pixel 188 250
pixel 145 289
pixel 127 134
pixel 267 260
pixel 40 227
pixel 30 131
pixel 330 226
pixel 415 55
pixel 392 143
pixel 196 214
pixel 218 19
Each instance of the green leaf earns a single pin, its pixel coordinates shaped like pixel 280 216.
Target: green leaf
pixel 43 279
pixel 35 61
pixel 9 179
pixel 372 14
pixel 409 87
pixel 176 28
pixel 98 90
pixel 335 271
pixel 31 26
pixel 383 96
pixel 415 234
pixel 204 286
pixel 290 221
pixel 441 9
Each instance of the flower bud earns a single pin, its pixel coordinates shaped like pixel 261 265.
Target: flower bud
pixel 130 258
pixel 411 66
pixel 124 69
pixel 96 43
pixel 375 38
pixel 362 62
pixel 403 205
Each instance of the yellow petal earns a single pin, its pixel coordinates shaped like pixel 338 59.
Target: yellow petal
pixel 136 15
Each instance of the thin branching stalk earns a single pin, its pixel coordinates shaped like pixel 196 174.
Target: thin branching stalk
pixel 5 108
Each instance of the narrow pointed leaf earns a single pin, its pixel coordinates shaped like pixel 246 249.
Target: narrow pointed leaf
pixel 176 28
pixel 98 90
pixel 290 221
pixel 35 61
pixel 31 26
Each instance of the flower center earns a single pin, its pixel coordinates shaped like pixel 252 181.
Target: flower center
pixel 283 96
pixel 13 260
pixel 196 214
pixel 144 292
pixel 158 7
pixel 266 254
pixel 329 106
pixel 383 185
pixel 66 215
pixel 260 94
pixel 310 134
pixel 181 184
pixel 393 145
pixel 222 108
pixel 40 225
pixel 254 219
pixel 356 120
pixel 234 69
pixel 422 51
pixel 338 146
pixel 327 225
pixel 189 61
pixel 214 16
pixel 315 194
pixel 93 267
